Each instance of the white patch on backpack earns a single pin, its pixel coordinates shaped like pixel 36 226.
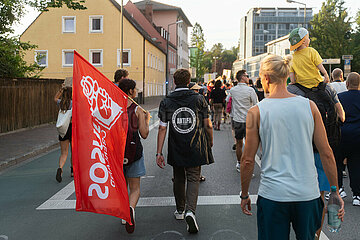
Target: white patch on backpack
pixel 184 120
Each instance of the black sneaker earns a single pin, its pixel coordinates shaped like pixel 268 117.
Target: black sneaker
pixel 131 228
pixel 190 219
pixel 58 175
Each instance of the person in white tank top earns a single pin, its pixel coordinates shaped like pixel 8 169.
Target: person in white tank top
pixel 286 125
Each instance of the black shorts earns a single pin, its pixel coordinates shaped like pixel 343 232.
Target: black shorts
pixel 239 129
pixel 67 135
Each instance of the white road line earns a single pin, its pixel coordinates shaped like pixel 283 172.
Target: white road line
pixel 59 201
pixel 154 125
pixel 323 236
pixel 257 160
pixel 64 193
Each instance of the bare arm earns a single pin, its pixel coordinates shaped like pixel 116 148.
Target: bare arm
pixel 340 111
pixel 324 72
pixel 144 119
pixel 326 153
pixel 247 161
pixel 58 94
pixel 160 161
pixel 209 130
pixel 292 77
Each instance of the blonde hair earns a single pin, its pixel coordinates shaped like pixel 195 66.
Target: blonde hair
pixel 276 67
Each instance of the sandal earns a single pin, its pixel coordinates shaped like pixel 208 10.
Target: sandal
pixel 202 178
pixel 58 175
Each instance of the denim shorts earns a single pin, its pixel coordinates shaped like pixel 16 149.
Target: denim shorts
pixel 136 169
pixel 324 184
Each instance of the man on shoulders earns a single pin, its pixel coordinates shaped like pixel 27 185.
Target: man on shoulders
pixel 243 98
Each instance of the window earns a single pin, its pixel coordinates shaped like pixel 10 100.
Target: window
pixel 126 57
pixel 282 26
pixel 96 57
pixel 292 26
pixel 41 58
pixel 96 24
pixel 148 62
pixel 68 24
pixel 271 26
pixel 260 26
pixel 68 57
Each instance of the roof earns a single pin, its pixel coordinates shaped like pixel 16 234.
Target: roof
pixel 129 18
pixel 156 6
pixel 146 25
pixel 137 25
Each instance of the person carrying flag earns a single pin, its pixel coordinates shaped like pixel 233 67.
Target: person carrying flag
pixel 134 166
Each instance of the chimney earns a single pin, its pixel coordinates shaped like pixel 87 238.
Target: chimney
pixel 149 11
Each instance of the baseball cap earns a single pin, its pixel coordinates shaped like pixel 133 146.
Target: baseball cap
pixel 297 37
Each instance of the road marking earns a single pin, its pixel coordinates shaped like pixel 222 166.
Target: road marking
pixel 323 236
pixel 257 160
pixel 155 124
pixel 59 202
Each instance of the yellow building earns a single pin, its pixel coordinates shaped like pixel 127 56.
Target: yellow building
pixel 96 34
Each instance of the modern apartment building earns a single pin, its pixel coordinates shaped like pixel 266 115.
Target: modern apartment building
pixel 166 16
pixel 262 25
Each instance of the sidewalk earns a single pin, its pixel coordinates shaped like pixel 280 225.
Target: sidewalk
pixel 20 145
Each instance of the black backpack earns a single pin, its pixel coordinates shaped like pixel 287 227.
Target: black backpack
pixel 327 110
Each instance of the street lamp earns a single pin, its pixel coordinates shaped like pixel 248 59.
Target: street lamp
pixel 122 35
pixel 292 1
pixel 215 58
pixel 167 55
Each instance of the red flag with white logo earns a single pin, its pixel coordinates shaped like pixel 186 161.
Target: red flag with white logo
pixel 99 128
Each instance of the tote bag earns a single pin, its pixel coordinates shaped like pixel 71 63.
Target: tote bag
pixel 63 122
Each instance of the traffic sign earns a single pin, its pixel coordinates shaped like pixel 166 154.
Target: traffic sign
pixel 347 57
pixel 331 61
pixel 346 67
pixel 347 62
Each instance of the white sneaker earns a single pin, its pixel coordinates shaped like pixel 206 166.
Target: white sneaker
pixel 238 166
pixel 341 192
pixel 179 215
pixel 356 200
pixel 192 226
pixel 123 222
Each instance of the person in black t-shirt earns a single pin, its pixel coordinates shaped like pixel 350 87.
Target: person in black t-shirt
pixel 189 144
pixel 217 100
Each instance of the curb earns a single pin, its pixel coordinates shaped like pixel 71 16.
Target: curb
pixel 19 159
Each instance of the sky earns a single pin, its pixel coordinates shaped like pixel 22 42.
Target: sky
pixel 220 19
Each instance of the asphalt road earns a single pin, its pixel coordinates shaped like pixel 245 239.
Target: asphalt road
pixel 34 206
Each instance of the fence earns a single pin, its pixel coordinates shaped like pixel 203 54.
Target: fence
pixel 27 102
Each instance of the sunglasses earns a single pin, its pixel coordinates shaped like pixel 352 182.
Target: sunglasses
pixel 246 76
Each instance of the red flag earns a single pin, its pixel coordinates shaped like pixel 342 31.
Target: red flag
pixel 99 128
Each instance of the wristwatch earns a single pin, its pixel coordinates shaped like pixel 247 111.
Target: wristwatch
pixel 243 198
pixel 159 154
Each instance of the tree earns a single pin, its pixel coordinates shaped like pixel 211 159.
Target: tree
pixel 355 46
pixel 198 41
pixel 11 49
pixel 331 28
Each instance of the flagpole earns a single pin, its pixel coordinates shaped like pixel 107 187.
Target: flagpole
pixel 137 105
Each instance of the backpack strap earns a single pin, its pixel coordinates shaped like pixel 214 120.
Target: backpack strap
pixel 302 88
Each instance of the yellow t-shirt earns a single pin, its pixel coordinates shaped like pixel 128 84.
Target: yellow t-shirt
pixel 304 65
